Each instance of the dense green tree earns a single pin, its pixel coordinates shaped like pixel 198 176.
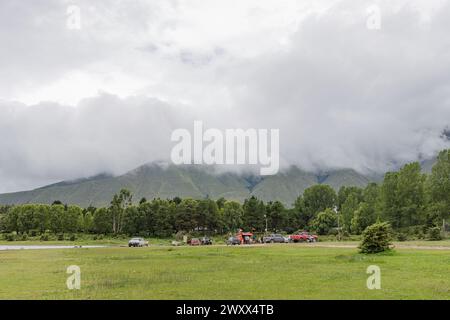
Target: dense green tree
pixel 348 209
pixel 3 215
pixel 164 215
pixel 71 219
pixel 119 204
pixel 56 213
pixel 221 202
pixel 253 217
pixel 366 214
pixel 231 216
pixel 185 215
pixel 411 195
pixel 389 206
pixel 324 222
pixel 402 198
pixel 102 223
pixel 276 215
pixel 207 215
pixel 346 191
pixel 439 188
pixel 315 199
pixel 134 221
pixel 86 222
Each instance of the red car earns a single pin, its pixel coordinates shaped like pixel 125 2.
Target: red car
pixel 303 237
pixel 195 242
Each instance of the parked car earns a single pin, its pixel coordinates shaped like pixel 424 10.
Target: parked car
pixel 206 241
pixel 138 242
pixel 312 237
pixel 303 237
pixel 287 240
pixel 274 238
pixel 195 242
pixel 233 241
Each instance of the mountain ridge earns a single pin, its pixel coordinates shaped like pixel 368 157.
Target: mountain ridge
pixel 157 181
pixel 162 180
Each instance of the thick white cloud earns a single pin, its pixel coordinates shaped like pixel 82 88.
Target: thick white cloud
pixel 106 98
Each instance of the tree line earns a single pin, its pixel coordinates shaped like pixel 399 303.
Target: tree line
pixel 408 199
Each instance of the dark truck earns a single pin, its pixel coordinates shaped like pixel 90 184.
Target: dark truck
pixel 274 238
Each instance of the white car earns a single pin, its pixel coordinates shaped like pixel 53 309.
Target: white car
pixel 138 242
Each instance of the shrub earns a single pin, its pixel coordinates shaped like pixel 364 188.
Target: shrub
pixel 434 234
pixel 44 237
pixel 402 236
pixel 10 237
pixel 24 237
pixel 376 238
pixel 72 237
pixel 60 237
pixel 98 237
pixel 180 236
pixel 333 232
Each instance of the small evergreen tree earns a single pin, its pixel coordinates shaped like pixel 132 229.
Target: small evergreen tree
pixel 376 238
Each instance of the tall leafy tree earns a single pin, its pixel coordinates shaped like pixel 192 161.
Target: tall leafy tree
pixel 231 216
pixel 402 198
pixel 164 213
pixel 344 192
pixel 276 215
pixel 102 221
pixel 349 207
pixel 207 216
pixel 439 187
pixel 366 214
pixel 186 215
pixel 119 204
pixel 315 199
pixel 254 211
pixel 324 222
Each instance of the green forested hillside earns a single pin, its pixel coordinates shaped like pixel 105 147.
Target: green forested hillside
pixel 153 181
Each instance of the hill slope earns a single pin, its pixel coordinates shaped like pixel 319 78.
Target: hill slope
pixel 167 181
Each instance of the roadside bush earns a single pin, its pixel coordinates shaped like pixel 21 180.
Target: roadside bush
pixel 72 237
pixel 434 234
pixel 10 237
pixel 179 236
pixel 44 237
pixel 402 236
pixel 24 237
pixel 60 237
pixel 333 232
pixel 376 238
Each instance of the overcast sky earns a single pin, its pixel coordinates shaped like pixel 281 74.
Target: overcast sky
pixel 106 97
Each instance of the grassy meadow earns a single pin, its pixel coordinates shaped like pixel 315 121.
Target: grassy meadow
pixel 285 271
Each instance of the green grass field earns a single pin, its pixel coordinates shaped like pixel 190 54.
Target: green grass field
pixel 219 272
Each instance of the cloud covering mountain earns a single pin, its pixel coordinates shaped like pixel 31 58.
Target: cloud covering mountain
pixel 105 98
